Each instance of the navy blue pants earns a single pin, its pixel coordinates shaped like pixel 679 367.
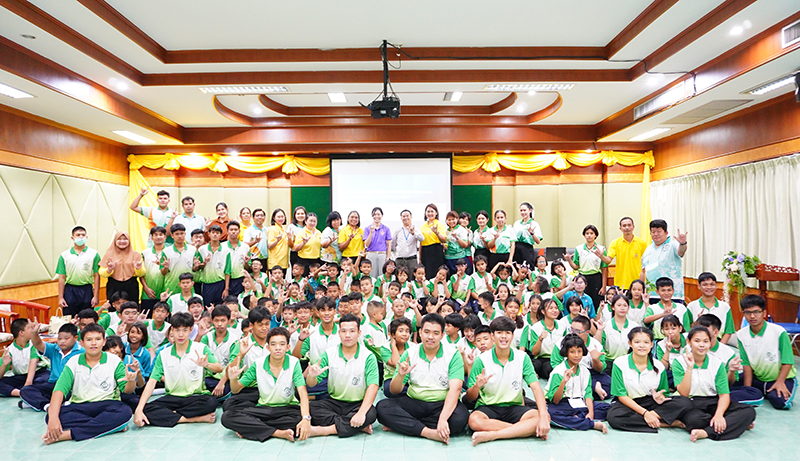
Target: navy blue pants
pixel 235 287
pixel 212 293
pixel 94 419
pixel 320 391
pixel 78 298
pixel 738 418
pixel 746 394
pixel 37 395
pixel 622 418
pixel 605 383
pixel 563 415
pixel 774 399
pixel 387 390
pixel 212 382
pixel 17 382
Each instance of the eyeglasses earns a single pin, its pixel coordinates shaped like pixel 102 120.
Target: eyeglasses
pixel 751 313
pixel 577 332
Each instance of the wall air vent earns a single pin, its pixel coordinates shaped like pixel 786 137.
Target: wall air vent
pixel 790 34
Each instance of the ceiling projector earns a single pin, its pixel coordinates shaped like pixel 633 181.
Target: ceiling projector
pixel 387 107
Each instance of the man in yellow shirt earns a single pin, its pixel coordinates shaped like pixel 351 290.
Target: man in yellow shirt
pixel 628 250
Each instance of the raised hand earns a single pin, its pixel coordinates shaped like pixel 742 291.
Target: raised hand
pixel 568 374
pixel 304 333
pixel 234 370
pixel 6 357
pixel 482 379
pixel 112 265
pixel 130 373
pixel 659 397
pixel 279 237
pixel 599 323
pixel 689 358
pixel 404 368
pixel 314 370
pixel 165 296
pixel 244 346
pixel 164 264
pixel 143 192
pixel 200 360
pixel 735 364
pixel 681 237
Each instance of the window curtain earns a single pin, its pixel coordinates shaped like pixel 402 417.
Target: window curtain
pixel 752 208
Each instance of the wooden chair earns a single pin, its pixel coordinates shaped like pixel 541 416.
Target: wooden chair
pixel 20 310
pixel 6 317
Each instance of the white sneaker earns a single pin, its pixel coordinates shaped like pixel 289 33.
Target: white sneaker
pixel 46 406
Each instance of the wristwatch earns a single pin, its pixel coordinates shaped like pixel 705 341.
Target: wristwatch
pixel 307 417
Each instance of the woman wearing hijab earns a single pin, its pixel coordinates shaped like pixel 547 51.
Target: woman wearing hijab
pixel 122 266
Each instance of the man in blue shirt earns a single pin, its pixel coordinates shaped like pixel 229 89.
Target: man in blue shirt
pixel 37 395
pixel 664 258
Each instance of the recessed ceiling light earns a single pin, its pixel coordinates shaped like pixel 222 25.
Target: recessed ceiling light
pixel 337 97
pixel 649 134
pixel 454 96
pixel 770 86
pixel 257 110
pixel 548 151
pixel 737 30
pixel 28 36
pixel 233 153
pixel 244 89
pixel 521 108
pixel 12 92
pixel 134 137
pixel 747 24
pixel 194 154
pixel 589 151
pixel 122 86
pixel 507 152
pixel 520 87
pixel 532 93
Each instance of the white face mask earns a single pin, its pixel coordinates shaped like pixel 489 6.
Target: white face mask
pixel 80 241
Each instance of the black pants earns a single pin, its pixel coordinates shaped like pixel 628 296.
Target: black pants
pixel 432 257
pixel 523 253
pixel 78 298
pixel 738 417
pixel 235 287
pixel 542 366
pixel 306 263
pixel 130 286
pixel 336 412
pixel 410 263
pixel 259 423
pixel 212 293
pixel 167 411
pixel 495 258
pixel 622 418
pixel 408 416
pixel 246 398
pixel 37 395
pixel 593 284
pixel 146 307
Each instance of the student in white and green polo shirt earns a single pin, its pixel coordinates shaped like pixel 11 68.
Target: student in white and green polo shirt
pixel 215 279
pixel 181 258
pixel 182 366
pixel 704 378
pixel 434 373
pixel 352 373
pixel 496 382
pixel 94 379
pixel 238 257
pixel 247 351
pixel 766 354
pixel 153 259
pixel 320 339
pixel 278 413
pixel 78 276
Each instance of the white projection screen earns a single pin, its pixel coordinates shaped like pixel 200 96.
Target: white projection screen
pixel 394 184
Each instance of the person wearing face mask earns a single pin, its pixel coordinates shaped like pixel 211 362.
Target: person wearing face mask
pixel 378 242
pixel 78 276
pixel 122 266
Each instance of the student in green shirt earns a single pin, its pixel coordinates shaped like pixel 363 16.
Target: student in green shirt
pixel 352 373
pixel 95 409
pixel 278 377
pixel 78 275
pixel 181 365
pixel 434 373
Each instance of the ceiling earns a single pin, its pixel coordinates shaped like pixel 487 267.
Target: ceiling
pixel 102 66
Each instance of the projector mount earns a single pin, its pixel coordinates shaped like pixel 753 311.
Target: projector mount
pixel 389 104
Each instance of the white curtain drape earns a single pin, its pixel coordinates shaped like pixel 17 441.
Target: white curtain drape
pixel 753 209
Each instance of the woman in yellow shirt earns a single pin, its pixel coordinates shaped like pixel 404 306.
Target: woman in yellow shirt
pixel 434 233
pixel 244 221
pixel 351 237
pixel 277 241
pixel 308 242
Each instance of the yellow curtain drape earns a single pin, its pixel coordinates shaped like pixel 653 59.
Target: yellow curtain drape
pixel 138 225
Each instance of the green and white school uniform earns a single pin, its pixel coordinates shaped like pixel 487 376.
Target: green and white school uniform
pixel 465 345
pixel 221 350
pixel 487 233
pixel 152 262
pixel 588 263
pixel 256 351
pixel 179 263
pixel 523 232
pixel 453 250
pixel 479 284
pixel 627 380
pixel 108 320
pixel 592 345
pixel 275 391
pixel 182 376
pixel 509 282
pixel 216 262
pixel 636 314
pixel 766 351
pixel 723 352
pixel 440 286
pixel 386 354
pixel 372 297
pixel 78 268
pixel 379 335
pixel 418 289
pixel 20 358
pixel 348 379
pixel 234 265
pixel 505 386
pixel 157 336
pixel 615 339
pixel 665 346
pixel 318 342
pixel 460 292
pixel 429 380
pixel 721 309
pixel 505 236
pixel 105 381
pixel 383 282
pixel 486 319
pixel 179 303
pixel 709 379
pixel 678 310
pixel 578 388
pixel 531 334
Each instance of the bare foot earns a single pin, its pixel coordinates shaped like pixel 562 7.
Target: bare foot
pixel 286 434
pixel 678 424
pixel 433 434
pixel 367 429
pixel 481 437
pixel 751 426
pixel 598 389
pixel 697 434
pixel 239 435
pixel 65 435
pixel 209 418
pixel 386 429
pixel 600 426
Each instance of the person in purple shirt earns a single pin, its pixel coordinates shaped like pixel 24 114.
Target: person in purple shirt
pixel 378 242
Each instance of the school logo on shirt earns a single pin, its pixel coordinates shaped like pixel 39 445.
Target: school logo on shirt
pixel 356 381
pixel 770 357
pixel 86 266
pixel 443 381
pixel 287 392
pixel 515 385
pixel 193 374
pixel 105 386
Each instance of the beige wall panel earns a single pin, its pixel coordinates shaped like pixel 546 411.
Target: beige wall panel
pixel 503 198
pixel 621 199
pixel 13 225
pixel 544 199
pixel 40 226
pixel 251 197
pixel 205 199
pixel 579 205
pixel 280 198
